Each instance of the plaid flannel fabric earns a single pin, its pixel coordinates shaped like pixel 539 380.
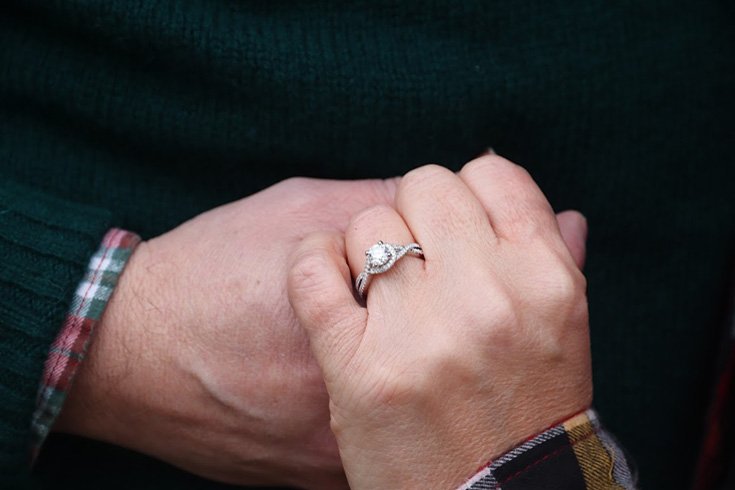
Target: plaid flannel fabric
pixel 576 454
pixel 68 350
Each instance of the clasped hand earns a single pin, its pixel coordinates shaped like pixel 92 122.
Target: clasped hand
pixel 234 346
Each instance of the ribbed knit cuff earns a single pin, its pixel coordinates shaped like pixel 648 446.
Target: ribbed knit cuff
pixel 45 246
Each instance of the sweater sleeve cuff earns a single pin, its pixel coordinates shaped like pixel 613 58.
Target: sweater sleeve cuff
pixel 45 244
pixel 575 454
pixel 68 350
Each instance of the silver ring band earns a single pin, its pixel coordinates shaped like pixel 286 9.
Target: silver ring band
pixel 381 257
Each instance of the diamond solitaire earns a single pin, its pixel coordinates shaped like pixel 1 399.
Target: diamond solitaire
pixel 381 257
pixel 378 255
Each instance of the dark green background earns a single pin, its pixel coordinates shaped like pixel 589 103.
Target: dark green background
pixel 159 110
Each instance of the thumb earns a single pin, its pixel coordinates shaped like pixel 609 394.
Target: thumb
pixel 320 292
pixel 573 227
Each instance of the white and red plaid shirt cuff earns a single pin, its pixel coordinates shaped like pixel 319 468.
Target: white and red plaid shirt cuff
pixel 68 350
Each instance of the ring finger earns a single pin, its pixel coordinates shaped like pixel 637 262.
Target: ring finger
pixel 366 229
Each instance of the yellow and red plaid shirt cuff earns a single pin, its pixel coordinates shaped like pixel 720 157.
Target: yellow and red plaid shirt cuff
pixel 68 350
pixel 576 454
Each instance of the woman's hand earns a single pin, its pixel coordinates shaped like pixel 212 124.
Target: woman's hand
pixel 462 355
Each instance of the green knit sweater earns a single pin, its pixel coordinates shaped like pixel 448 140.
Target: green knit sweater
pixel 143 114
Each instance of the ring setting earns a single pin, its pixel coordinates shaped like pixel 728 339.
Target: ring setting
pixel 381 257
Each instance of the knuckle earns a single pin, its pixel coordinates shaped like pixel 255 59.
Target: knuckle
pixel 483 164
pixel 552 278
pixel 518 173
pixel 561 300
pixel 505 319
pixel 568 284
pixel 422 177
pixel 495 165
pixel 491 319
pixel 563 286
pixel 505 311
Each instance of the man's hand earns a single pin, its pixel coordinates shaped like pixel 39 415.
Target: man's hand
pixel 199 360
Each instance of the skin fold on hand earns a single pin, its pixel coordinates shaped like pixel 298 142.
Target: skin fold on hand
pixel 200 360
